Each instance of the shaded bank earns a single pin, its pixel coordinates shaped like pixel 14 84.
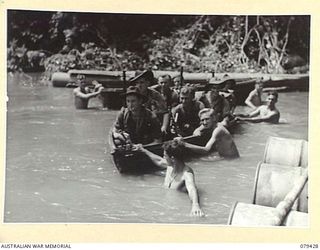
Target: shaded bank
pixel 219 43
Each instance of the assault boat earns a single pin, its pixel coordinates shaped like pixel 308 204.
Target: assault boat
pixel 114 82
pixel 134 161
pixel 279 82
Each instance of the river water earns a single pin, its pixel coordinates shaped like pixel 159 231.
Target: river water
pixel 58 168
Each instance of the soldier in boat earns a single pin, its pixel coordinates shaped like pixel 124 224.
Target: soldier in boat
pixel 178 175
pixel 222 101
pixel 154 100
pixel 219 137
pixel 178 83
pixel 164 87
pixel 85 92
pixel 264 113
pixel 214 100
pixel 135 121
pixel 185 115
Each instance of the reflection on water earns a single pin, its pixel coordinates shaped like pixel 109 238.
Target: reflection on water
pixel 58 168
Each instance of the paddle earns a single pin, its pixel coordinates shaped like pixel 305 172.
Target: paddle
pixel 284 207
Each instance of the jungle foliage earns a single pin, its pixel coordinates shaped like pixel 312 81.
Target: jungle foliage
pixel 37 40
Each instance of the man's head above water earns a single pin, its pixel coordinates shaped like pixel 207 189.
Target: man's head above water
pixel 207 118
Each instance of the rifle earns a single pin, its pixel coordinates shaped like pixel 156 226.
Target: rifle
pixel 124 84
pixel 181 73
pixel 174 128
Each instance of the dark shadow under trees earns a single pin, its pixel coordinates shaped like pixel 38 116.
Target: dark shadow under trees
pixel 271 44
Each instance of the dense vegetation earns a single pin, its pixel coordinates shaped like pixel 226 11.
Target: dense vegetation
pixel 273 44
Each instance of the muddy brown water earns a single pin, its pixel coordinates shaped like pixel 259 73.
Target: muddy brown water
pixel 58 168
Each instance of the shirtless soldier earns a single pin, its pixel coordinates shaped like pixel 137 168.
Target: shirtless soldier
pixel 219 137
pixel 265 113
